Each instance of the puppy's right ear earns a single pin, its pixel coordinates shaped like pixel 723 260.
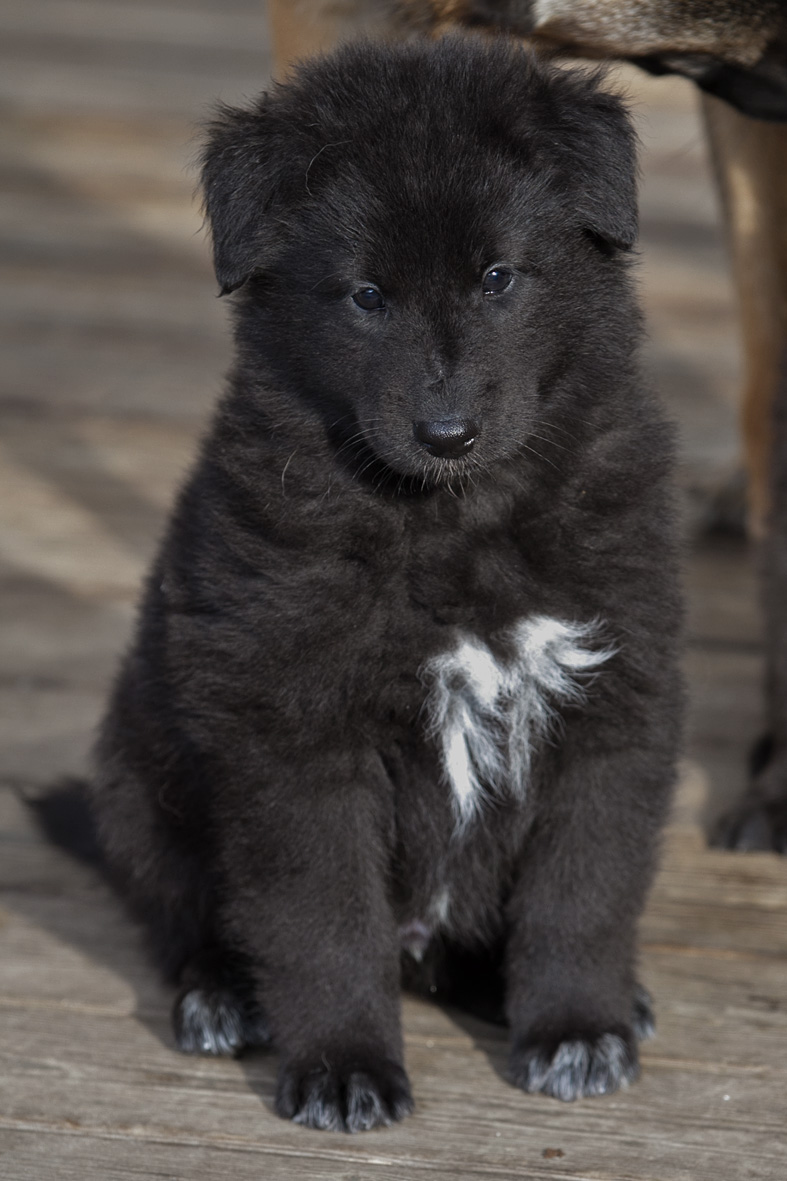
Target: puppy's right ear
pixel 603 147
pixel 243 168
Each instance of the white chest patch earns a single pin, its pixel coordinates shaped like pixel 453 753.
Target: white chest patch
pixel 487 715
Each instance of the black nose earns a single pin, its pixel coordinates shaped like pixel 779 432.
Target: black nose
pixel 449 438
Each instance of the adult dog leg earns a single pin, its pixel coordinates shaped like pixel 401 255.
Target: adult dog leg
pixel 300 28
pixel 573 1003
pixel 760 819
pixel 751 163
pixel 750 157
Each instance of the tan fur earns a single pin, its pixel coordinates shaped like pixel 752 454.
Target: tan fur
pixel 300 28
pixel 609 28
pixel 751 164
pixel 737 32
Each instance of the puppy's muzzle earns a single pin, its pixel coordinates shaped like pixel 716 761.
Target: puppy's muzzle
pixel 447 438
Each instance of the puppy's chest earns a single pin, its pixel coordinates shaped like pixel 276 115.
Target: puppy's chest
pixel 483 674
pixel 487 706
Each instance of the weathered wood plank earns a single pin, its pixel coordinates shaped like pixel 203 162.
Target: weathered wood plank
pixel 38 1154
pixel 128 1086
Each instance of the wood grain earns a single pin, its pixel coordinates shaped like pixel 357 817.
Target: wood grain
pixel 113 351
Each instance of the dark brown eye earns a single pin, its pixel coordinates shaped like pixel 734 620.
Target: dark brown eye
pixel 498 280
pixel 370 299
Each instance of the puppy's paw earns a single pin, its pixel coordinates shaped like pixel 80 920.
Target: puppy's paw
pixel 574 1066
pixel 215 1021
pixel 357 1096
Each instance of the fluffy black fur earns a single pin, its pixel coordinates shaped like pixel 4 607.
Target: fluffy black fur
pixel 267 793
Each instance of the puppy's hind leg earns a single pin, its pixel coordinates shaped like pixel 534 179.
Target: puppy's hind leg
pixel 215 1011
pixel 305 861
pixel 155 849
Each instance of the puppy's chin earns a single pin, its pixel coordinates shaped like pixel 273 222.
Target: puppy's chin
pixel 454 474
pixel 391 462
pixel 422 472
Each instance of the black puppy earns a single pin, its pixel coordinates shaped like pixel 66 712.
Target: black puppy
pixel 405 671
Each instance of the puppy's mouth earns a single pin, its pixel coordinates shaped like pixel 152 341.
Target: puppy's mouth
pixel 408 465
pixel 424 472
pixel 453 472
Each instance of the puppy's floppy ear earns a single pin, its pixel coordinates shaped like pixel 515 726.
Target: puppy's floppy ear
pixel 244 164
pixel 602 145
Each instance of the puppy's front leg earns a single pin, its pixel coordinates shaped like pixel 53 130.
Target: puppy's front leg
pixel 306 867
pixel 573 1003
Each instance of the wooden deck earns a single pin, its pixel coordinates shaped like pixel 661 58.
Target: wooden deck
pixel 113 349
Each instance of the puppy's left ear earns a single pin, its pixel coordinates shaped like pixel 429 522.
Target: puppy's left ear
pixel 603 146
pixel 244 170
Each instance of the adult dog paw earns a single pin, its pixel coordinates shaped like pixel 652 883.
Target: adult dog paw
pixel 574 1066
pixel 215 1021
pixel 758 822
pixel 354 1096
pixel 754 827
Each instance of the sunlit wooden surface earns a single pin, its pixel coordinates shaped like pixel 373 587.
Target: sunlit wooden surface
pixel 113 348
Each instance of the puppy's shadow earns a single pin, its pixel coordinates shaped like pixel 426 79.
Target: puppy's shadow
pixel 467 986
pixel 490 1038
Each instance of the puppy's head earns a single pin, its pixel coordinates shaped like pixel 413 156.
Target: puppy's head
pixel 428 245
